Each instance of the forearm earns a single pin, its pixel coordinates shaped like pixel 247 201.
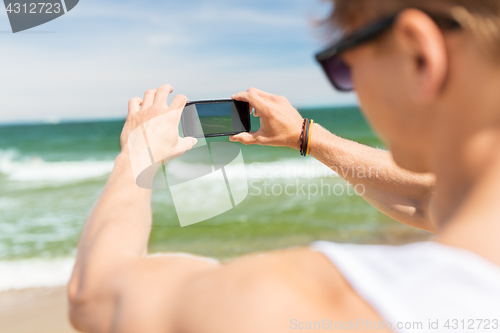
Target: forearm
pixel 394 191
pixel 398 193
pixel 116 232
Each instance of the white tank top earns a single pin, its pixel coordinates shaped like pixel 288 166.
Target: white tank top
pixel 421 287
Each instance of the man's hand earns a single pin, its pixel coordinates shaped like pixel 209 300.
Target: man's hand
pixel 280 122
pixel 163 133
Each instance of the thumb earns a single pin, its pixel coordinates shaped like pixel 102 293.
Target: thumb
pixel 187 143
pixel 245 138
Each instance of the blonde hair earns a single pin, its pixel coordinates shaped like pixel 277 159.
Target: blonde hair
pixel 480 17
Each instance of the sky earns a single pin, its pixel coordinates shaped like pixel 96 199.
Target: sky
pixel 88 63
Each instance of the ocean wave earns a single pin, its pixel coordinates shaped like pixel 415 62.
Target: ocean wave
pixel 21 169
pixel 35 273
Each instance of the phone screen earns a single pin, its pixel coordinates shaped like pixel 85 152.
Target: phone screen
pixel 215 118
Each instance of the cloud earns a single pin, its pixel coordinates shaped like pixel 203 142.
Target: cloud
pixel 104 53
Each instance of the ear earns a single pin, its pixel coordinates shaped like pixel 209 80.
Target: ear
pixel 423 43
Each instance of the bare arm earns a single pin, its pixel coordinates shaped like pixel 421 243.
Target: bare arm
pixel 117 231
pixel 115 234
pixel 400 194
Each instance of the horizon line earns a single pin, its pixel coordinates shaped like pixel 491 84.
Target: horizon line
pixel 104 119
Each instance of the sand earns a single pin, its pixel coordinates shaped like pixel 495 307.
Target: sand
pixel 40 310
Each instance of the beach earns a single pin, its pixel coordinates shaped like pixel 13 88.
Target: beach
pixel 40 310
pixel 52 174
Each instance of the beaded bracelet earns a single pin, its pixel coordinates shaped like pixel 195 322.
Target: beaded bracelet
pixel 311 122
pixel 302 136
pixel 306 142
pixel 305 136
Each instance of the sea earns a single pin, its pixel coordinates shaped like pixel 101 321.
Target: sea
pixel 51 175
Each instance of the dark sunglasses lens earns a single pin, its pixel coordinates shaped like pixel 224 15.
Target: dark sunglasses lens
pixel 338 73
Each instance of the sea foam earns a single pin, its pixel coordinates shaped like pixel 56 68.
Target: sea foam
pixel 35 273
pixel 17 168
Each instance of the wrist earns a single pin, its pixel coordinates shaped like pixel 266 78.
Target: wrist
pixel 295 144
pixel 123 157
pixel 123 171
pixel 306 137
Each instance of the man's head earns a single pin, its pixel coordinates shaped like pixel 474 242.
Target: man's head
pixel 420 84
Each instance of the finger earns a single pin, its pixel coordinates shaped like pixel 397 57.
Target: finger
pixel 261 93
pixel 255 113
pixel 134 105
pixel 241 96
pixel 161 97
pixel 176 113
pixel 253 99
pixel 149 98
pixel 178 102
pixel 237 95
pixel 245 138
pixel 187 143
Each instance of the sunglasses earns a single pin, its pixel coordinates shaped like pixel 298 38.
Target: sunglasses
pixel 338 72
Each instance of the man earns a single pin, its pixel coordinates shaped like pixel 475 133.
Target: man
pixel 428 85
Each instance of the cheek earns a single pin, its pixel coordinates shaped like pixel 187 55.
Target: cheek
pixel 378 91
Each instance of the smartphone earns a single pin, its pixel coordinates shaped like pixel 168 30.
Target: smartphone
pixel 215 118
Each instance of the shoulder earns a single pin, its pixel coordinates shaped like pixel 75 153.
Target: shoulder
pixel 269 293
